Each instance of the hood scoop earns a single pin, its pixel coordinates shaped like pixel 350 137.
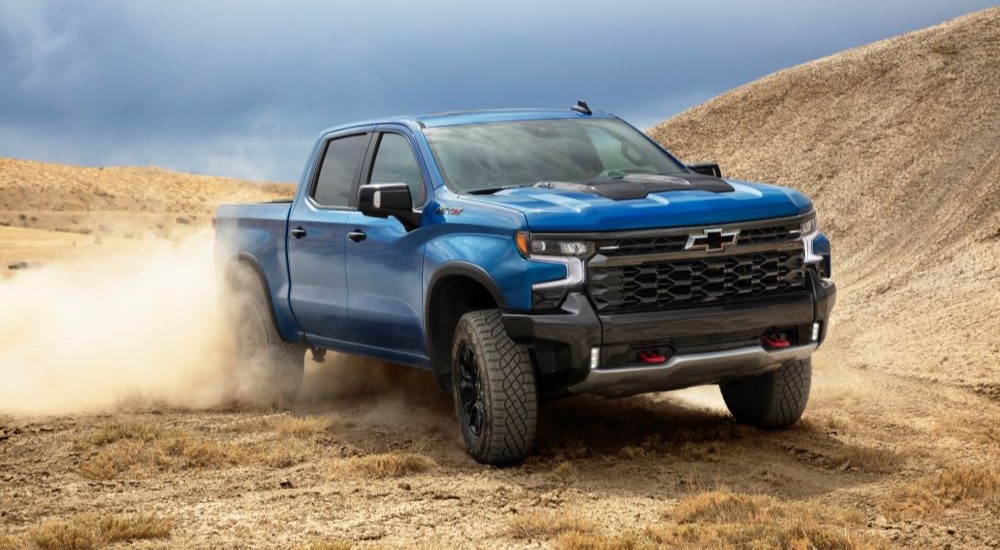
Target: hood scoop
pixel 637 186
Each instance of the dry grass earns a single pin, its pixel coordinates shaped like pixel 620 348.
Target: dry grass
pixel 577 540
pixel 635 452
pixel 721 519
pixel 700 452
pixel 384 465
pixel 877 461
pixel 824 424
pixel 88 531
pixel 329 545
pixel 968 483
pixel 283 454
pixel 974 429
pixel 796 534
pixel 142 449
pixel 285 425
pixel 146 201
pixel 172 450
pixel 545 525
pixel 138 431
pixel 299 426
pixel 726 507
pixel 564 470
pixel 929 496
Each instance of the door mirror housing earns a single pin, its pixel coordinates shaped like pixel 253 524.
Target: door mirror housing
pixel 381 200
pixel 706 168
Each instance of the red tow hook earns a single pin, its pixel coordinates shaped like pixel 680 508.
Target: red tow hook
pixel 777 340
pixel 652 357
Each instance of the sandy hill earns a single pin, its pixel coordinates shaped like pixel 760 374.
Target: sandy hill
pixel 898 144
pixel 120 201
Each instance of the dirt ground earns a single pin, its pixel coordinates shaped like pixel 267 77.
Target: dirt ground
pixel 879 461
pixel 106 444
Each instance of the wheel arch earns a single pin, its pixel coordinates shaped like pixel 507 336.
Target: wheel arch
pixel 242 272
pixel 456 288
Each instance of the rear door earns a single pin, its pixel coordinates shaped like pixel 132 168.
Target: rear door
pixel 317 237
pixel 384 261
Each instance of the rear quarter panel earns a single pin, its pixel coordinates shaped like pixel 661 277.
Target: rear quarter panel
pixel 255 234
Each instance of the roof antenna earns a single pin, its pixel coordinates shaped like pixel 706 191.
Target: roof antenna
pixel 582 107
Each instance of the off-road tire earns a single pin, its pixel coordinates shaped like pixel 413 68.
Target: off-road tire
pixel 505 388
pixel 772 401
pixel 267 370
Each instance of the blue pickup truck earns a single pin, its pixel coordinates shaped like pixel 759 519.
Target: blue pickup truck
pixel 525 255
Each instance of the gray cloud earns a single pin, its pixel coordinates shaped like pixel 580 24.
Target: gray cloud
pixel 241 88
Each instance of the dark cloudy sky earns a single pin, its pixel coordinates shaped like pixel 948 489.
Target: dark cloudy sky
pixel 241 88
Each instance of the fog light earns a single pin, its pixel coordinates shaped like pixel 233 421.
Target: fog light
pixel 815 335
pixel 595 357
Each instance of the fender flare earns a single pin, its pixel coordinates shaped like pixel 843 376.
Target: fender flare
pixel 244 259
pixel 467 269
pixel 462 269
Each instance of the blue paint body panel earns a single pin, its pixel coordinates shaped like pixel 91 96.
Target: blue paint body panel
pixel 549 210
pixel 369 297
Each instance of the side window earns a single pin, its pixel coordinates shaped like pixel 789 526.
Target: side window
pixel 395 163
pixel 341 164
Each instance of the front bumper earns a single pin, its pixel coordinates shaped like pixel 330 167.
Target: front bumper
pixel 704 345
pixel 689 369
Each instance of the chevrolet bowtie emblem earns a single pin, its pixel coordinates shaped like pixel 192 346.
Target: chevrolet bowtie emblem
pixel 712 240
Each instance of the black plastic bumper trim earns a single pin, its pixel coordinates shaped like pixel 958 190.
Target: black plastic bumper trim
pixel 562 342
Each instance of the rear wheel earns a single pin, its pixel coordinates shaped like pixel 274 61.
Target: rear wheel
pixel 773 400
pixel 494 386
pixel 268 369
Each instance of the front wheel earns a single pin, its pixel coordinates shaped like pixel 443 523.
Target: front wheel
pixel 772 401
pixel 496 400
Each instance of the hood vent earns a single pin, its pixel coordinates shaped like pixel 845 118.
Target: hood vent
pixel 637 186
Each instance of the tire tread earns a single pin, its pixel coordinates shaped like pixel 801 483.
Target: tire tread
pixel 509 435
pixel 774 400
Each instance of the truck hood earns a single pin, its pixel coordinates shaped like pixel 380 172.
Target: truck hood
pixel 558 210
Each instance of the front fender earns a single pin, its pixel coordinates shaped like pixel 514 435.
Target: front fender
pixel 492 259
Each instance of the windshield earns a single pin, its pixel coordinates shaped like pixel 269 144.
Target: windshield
pixel 488 157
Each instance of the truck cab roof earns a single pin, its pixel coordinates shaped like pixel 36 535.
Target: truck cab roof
pixel 456 118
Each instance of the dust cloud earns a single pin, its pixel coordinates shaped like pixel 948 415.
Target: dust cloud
pixel 86 337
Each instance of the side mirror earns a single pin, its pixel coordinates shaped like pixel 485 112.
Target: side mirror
pixel 381 200
pixel 707 169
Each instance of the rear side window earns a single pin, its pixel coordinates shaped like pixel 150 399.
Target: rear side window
pixel 395 163
pixel 341 165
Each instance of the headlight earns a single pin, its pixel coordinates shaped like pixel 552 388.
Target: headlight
pixel 529 247
pixel 810 226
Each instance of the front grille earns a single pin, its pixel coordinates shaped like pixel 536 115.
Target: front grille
pixel 687 282
pixel 638 244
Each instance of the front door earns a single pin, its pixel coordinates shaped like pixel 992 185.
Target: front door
pixel 317 238
pixel 385 261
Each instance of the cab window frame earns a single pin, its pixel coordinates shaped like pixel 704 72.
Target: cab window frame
pixel 372 155
pixel 352 197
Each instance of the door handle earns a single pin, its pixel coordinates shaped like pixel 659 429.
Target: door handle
pixel 357 235
pixel 298 232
